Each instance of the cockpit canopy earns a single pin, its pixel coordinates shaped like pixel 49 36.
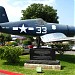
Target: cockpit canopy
pixel 38 21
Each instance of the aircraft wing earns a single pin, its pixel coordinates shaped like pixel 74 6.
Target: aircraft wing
pixel 55 37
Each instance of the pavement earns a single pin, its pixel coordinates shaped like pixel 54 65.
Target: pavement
pixel 70 52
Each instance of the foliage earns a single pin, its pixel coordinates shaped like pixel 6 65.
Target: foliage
pixel 1 51
pixel 2 38
pixel 26 42
pixel 60 47
pixel 46 12
pixel 17 40
pixel 11 54
pixel 5 37
pixel 8 43
pixel 30 38
pixel 12 44
pixel 8 37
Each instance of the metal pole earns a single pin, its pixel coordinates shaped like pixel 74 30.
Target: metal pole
pixel 38 41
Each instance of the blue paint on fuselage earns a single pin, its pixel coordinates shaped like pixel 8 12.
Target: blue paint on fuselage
pixel 38 28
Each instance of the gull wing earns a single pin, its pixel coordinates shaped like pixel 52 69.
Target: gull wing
pixel 55 37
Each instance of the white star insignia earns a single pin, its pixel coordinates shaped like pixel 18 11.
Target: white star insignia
pixel 23 29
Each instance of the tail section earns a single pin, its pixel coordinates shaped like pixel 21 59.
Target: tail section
pixel 3 15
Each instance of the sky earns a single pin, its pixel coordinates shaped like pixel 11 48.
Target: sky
pixel 65 9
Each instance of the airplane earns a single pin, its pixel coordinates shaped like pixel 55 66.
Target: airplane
pixel 33 27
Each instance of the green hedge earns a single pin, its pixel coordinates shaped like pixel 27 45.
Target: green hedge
pixel 61 46
pixel 1 52
pixel 26 42
pixel 11 54
pixel 14 44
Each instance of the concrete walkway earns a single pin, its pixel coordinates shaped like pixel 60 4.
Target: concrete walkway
pixel 70 52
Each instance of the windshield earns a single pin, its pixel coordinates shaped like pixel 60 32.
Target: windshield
pixel 40 22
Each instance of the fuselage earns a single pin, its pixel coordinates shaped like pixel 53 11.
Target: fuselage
pixel 35 27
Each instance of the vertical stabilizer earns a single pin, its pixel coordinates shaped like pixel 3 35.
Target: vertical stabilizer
pixel 3 15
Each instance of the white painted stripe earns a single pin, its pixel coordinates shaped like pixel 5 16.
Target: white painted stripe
pixel 3 27
pixel 15 28
pixel 30 28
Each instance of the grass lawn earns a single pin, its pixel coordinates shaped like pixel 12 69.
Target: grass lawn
pixel 67 63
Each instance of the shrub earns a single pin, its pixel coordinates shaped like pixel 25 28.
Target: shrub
pixel 17 40
pixel 14 44
pixel 1 51
pixel 60 48
pixel 26 42
pixel 11 43
pixel 11 54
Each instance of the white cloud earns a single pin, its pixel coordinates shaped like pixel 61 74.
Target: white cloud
pixel 14 7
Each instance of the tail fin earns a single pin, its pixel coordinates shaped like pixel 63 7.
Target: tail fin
pixel 3 15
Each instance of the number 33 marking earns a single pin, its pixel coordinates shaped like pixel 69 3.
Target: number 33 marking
pixel 41 30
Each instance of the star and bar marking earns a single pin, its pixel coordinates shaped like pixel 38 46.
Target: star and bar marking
pixel 23 28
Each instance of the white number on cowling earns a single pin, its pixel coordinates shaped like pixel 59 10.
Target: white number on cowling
pixel 44 29
pixel 41 30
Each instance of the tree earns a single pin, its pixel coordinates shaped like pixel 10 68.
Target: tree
pixel 46 12
pixel 5 37
pixel 8 37
pixel 2 39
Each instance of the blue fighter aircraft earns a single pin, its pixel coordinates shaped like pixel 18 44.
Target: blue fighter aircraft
pixel 33 27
